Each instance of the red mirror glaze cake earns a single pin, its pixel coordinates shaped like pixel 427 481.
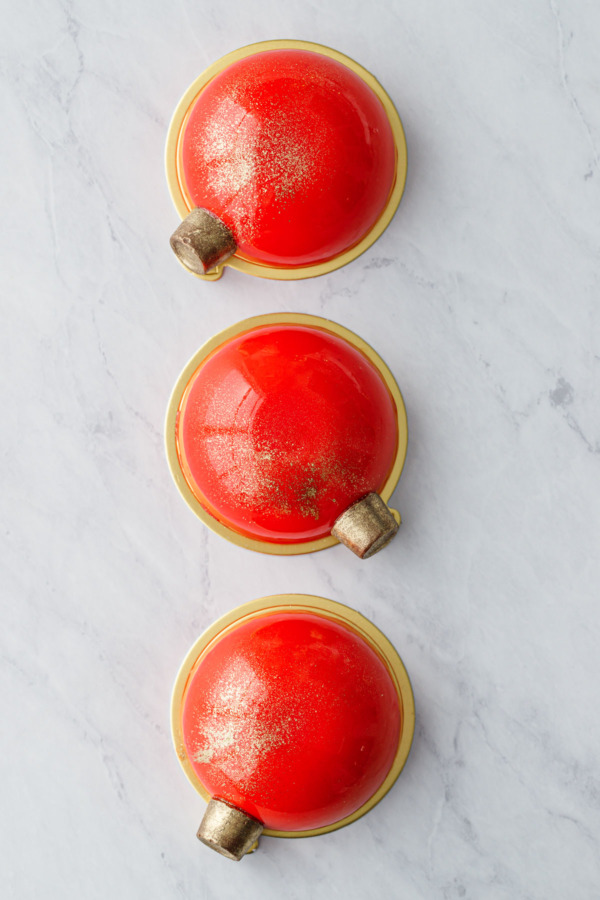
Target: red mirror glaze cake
pixel 285 159
pixel 292 718
pixel 282 428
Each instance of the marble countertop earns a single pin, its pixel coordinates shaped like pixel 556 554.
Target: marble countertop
pixel 482 297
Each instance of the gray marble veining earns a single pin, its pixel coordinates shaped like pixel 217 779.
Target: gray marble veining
pixel 482 297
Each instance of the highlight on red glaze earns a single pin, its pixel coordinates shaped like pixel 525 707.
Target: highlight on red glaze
pixel 282 428
pixel 293 718
pixel 294 152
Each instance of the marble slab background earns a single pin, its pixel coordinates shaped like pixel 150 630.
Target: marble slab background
pixel 482 297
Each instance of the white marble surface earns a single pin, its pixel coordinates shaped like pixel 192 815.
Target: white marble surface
pixel 482 297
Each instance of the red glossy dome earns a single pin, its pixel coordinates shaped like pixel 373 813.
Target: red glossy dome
pixel 293 718
pixel 283 428
pixel 294 152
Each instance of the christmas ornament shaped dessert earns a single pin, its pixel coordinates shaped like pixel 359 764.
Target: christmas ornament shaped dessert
pixel 285 159
pixel 293 716
pixel 286 434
